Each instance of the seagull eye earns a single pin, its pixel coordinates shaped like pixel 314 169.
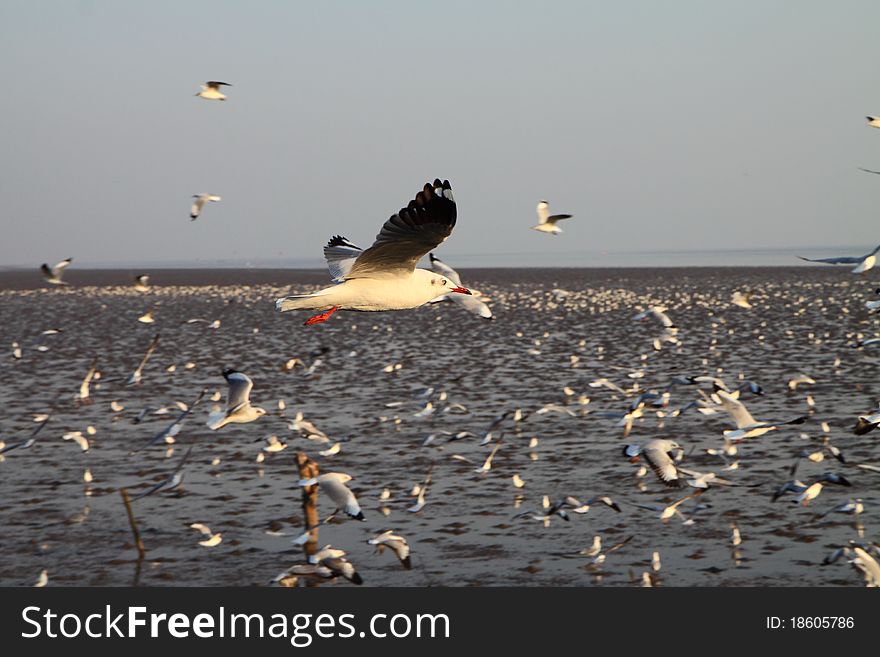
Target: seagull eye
pixel 442 281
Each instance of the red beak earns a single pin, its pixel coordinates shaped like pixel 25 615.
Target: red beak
pixel 461 290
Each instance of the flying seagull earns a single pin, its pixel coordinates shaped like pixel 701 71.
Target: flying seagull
pixel 333 483
pixel 873 121
pixel 199 203
pixel 547 221
pixel 746 425
pixel 469 302
pixel 396 543
pixel 385 277
pixel 136 375
pixel 211 90
pixel 238 403
pixel 656 453
pixel 54 274
pixel 142 282
pixel 863 263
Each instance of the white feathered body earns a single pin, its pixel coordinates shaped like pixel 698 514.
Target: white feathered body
pixel 369 294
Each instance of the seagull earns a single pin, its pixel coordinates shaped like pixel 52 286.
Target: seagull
pixel 746 425
pixel 867 423
pixel 136 375
pixel 546 221
pixel 199 203
pixel 54 275
pixel 385 277
pixel 656 453
pixel 873 121
pixel 396 543
pixel 212 540
pixel 333 483
pixel 672 509
pixel 741 299
pixel 142 282
pixel 238 403
pixel 469 302
pixel 171 482
pixel 850 507
pixel 169 433
pixel 863 263
pixel 27 442
pixel 211 90
pixel 84 387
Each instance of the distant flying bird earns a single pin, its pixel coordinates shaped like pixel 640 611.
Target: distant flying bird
pixel 142 282
pixel 53 275
pixel 211 90
pixel 547 221
pixel 863 263
pixel 873 121
pixel 385 277
pixel 199 203
pixel 238 403
pixel 469 302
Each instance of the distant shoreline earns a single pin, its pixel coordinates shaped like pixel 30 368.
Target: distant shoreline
pixel 31 279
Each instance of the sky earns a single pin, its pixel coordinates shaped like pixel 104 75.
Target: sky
pixel 677 127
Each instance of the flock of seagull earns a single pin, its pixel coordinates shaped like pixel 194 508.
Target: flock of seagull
pixel 385 277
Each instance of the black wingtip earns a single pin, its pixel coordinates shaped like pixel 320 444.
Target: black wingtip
pixel 432 257
pixel 359 516
pixel 227 372
pixel 407 563
pixel 357 579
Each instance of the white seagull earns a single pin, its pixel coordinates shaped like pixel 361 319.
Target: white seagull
pixel 53 275
pixel 396 543
pixel 547 221
pixel 873 121
pixel 199 203
pixel 333 484
pixel 142 282
pixel 746 425
pixel 656 453
pixel 862 263
pixel 385 277
pixel 211 90
pixel 469 302
pixel 238 403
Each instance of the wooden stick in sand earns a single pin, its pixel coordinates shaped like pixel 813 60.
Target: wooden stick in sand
pixel 139 544
pixel 308 469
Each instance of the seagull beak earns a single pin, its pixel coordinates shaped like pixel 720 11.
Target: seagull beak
pixel 461 290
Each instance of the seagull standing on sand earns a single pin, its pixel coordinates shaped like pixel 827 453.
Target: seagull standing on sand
pixel 469 302
pixel 547 221
pixel 385 277
pixel 199 203
pixel 238 402
pixel 211 90
pixel 53 275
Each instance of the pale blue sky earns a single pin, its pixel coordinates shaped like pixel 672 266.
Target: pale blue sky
pixel 672 126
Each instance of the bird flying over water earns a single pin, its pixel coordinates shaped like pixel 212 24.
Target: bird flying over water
pixel 863 263
pixel 54 274
pixel 385 277
pixel 547 221
pixel 238 402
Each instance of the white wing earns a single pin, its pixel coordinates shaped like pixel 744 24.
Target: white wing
pixel 443 269
pixel 736 409
pixel 240 385
pixel 340 255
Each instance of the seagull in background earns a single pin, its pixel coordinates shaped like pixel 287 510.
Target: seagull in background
pixel 547 221
pixel 136 375
pixel 469 302
pixel 211 90
pixel 873 121
pixel 333 483
pixel 141 282
pixel 199 203
pixel 238 403
pixel 385 277
pixel 54 274
pixel 863 263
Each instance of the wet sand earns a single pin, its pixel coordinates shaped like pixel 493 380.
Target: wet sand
pixel 803 319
